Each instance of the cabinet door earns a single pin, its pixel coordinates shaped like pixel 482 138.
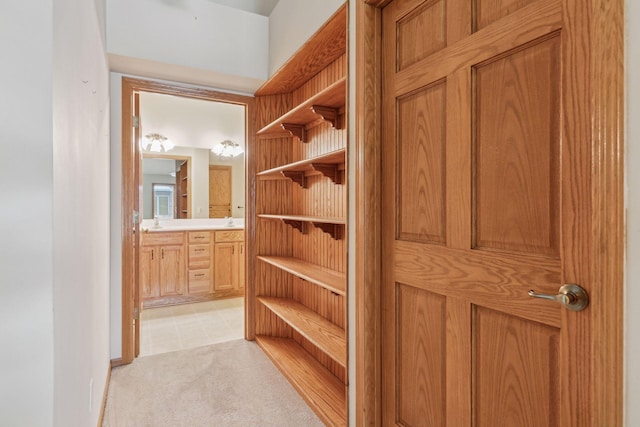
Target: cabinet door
pixel 241 260
pixel 172 270
pixel 149 277
pixel 226 266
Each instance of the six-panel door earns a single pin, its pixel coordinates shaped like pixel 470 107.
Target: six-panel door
pixel 472 211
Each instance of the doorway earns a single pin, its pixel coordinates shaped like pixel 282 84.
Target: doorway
pixel 131 199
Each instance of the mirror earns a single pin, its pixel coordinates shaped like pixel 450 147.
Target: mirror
pixel 194 126
pixel 160 170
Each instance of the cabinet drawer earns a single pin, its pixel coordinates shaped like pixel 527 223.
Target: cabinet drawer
pixel 199 275
pixel 199 236
pixel 230 236
pixel 162 238
pixel 199 251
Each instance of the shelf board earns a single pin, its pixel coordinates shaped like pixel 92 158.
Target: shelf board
pixel 327 104
pixel 327 164
pixel 306 218
pixel 332 226
pixel 325 335
pixel 321 276
pixel 322 391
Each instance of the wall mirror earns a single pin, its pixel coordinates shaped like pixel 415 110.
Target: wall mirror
pixel 209 186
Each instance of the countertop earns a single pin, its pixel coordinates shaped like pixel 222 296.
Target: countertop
pixel 192 224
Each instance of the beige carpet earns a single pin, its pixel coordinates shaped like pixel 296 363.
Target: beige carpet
pixel 227 384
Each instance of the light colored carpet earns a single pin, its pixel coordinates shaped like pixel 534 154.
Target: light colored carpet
pixel 226 384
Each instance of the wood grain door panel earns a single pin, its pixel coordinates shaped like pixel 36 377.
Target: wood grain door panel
pixel 219 191
pixel 420 152
pixel 517 150
pixel 516 371
pixel 472 211
pixel 172 270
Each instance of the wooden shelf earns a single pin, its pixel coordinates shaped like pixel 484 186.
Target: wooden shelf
pixel 325 335
pixel 321 276
pixel 306 218
pixel 332 226
pixel 327 164
pixel 322 391
pixel 324 47
pixel 327 105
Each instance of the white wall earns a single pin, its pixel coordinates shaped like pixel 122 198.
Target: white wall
pixel 632 297
pixel 54 256
pixel 193 34
pixel 26 252
pixel 291 24
pixel 80 212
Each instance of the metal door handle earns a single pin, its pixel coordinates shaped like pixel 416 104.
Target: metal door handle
pixel 571 296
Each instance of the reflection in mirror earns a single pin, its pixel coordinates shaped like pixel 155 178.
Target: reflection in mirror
pixel 213 185
pixel 163 201
pixel 215 188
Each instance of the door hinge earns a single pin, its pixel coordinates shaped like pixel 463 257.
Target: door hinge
pixel 136 313
pixel 136 122
pixel 136 217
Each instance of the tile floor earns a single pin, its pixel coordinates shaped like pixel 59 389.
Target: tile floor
pixel 179 327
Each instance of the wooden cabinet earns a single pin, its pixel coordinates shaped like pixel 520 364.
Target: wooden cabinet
pixel 229 259
pixel 200 263
pixel 162 268
pixel 190 266
pixel 300 217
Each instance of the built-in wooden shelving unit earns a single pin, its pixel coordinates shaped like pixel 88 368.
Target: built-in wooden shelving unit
pixel 299 279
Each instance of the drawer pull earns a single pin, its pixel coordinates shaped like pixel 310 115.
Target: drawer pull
pixel 199 237
pixel 199 275
pixel 199 250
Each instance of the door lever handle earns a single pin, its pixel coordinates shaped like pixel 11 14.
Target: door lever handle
pixel 570 296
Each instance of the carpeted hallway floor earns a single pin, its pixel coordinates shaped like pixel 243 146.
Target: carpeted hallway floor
pixel 226 384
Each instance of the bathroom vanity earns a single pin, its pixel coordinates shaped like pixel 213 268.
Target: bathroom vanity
pixel 185 261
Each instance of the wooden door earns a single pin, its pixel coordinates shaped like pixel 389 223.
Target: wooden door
pixel 149 271
pixel 483 200
pixel 219 191
pixel 225 266
pixel 172 270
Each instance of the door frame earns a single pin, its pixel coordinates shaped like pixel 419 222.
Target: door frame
pixel 603 20
pixel 130 192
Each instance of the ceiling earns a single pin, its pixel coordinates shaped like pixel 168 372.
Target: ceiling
pixel 260 7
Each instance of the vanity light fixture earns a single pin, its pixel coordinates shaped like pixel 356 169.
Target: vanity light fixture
pixel 157 143
pixel 227 149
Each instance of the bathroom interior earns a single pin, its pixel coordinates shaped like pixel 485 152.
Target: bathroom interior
pixel 192 190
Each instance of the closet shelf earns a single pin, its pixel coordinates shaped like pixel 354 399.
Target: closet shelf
pixel 322 391
pixel 323 277
pixel 332 226
pixel 326 105
pixel 329 165
pixel 320 332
